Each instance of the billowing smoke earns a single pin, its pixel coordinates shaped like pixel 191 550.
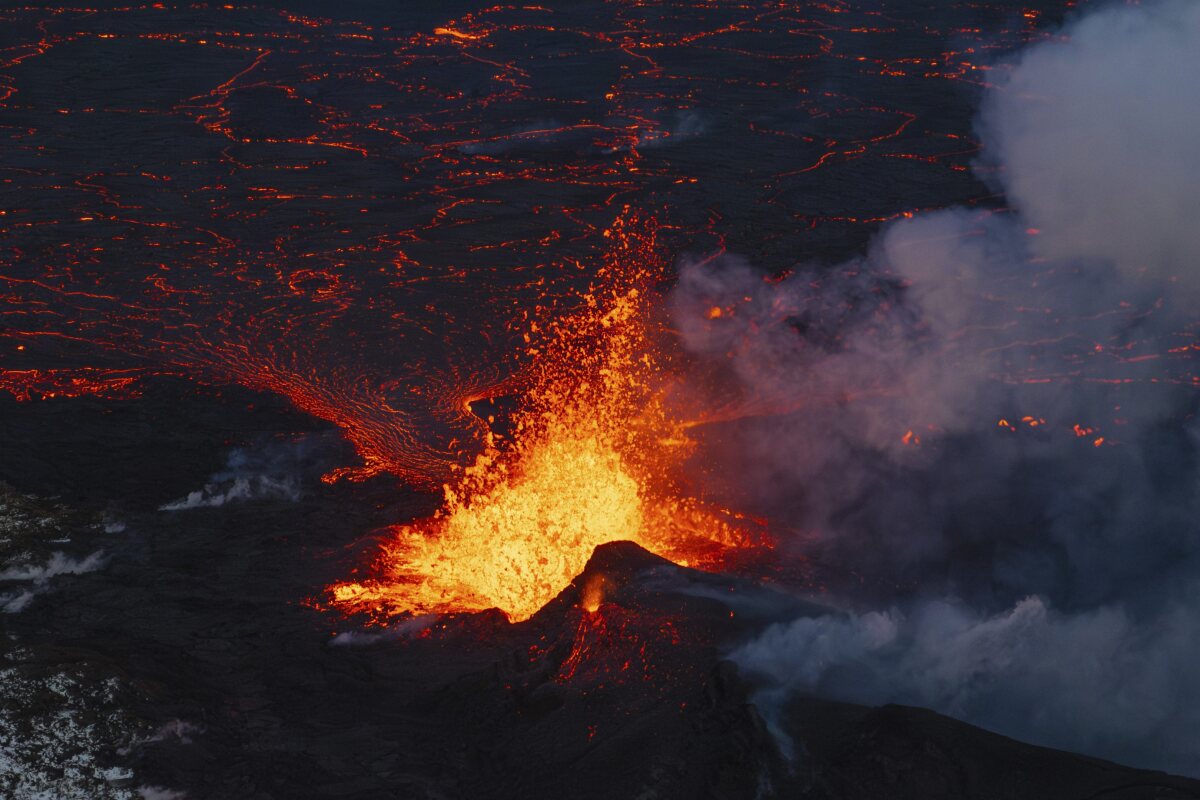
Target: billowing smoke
pixel 1094 135
pixel 986 424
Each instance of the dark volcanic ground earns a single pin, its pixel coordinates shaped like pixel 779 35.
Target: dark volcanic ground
pixel 218 680
pixel 221 227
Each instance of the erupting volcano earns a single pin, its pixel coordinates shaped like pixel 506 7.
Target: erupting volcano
pixel 601 399
pixel 592 455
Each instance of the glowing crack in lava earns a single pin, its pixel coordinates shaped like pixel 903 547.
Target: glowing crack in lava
pixel 592 458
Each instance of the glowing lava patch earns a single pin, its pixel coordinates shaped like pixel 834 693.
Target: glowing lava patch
pixel 515 546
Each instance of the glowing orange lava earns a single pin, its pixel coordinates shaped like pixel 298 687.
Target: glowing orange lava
pixel 592 459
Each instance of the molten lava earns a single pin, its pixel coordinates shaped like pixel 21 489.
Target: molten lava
pixel 593 458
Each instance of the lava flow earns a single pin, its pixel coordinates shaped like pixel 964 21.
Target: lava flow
pixel 593 457
pixel 351 211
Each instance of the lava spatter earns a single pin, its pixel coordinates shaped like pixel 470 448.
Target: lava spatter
pixel 593 457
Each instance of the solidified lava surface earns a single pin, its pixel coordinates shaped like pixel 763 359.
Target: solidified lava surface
pixel 246 248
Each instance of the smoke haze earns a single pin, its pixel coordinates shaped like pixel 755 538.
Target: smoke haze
pixel 988 419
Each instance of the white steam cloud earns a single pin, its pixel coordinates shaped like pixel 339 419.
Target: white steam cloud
pixel 34 579
pixel 274 471
pixel 990 417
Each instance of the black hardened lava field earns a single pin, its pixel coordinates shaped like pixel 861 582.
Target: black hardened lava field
pixel 600 399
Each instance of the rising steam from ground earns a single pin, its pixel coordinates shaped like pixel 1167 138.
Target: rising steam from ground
pixel 1031 576
pixel 31 579
pixel 274 470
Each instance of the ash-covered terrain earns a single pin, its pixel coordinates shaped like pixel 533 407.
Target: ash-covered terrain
pixel 271 275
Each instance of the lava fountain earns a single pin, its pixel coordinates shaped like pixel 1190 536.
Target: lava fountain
pixel 593 456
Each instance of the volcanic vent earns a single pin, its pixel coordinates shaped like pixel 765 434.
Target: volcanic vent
pixel 592 455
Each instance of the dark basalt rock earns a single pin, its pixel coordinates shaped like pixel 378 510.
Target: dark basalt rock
pixel 240 695
pixel 642 714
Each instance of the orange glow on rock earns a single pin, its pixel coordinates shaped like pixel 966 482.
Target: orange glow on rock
pixel 456 34
pixel 593 594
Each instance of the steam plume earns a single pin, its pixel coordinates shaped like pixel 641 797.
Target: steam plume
pixel 991 416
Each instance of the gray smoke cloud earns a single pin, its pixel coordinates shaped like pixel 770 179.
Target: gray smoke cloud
pixel 987 421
